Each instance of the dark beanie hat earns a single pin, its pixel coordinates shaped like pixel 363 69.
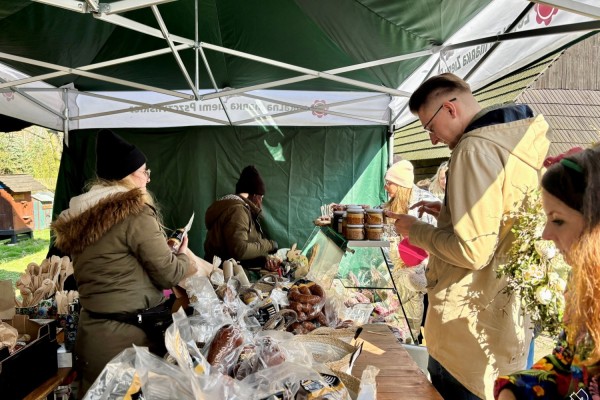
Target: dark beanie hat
pixel 115 157
pixel 250 182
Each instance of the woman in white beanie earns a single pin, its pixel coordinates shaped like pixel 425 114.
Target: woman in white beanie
pixel 411 282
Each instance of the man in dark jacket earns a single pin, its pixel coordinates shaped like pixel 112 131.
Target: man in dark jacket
pixel 233 225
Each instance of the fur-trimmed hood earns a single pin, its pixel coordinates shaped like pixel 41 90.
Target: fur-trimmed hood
pixel 94 213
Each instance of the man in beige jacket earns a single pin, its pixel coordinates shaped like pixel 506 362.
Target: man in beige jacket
pixel 473 331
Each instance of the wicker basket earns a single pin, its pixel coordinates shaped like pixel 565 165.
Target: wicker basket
pixel 324 348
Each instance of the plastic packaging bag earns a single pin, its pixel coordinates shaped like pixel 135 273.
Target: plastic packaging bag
pixel 182 347
pixel 161 380
pixel 115 379
pixel 368 384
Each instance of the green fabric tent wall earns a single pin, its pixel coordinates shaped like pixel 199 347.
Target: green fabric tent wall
pixel 303 168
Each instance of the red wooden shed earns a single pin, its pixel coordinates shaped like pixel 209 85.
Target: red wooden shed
pixel 16 205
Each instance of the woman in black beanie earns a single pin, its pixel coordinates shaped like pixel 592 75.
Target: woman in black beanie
pixel 120 257
pixel 233 226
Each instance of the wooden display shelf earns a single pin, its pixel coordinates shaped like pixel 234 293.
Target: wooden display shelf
pixel 399 376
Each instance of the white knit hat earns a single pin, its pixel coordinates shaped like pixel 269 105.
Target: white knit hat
pixel 401 173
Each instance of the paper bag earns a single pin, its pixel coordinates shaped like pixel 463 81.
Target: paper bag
pixel 7 300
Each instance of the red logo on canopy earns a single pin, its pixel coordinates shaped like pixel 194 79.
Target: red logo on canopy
pixel 9 96
pixel 544 14
pixel 319 108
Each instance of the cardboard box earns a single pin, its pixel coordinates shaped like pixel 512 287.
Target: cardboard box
pixel 28 368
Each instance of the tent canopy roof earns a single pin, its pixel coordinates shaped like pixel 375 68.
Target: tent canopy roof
pixel 73 64
pixel 319 35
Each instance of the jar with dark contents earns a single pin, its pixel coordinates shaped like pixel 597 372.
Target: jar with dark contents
pixel 336 221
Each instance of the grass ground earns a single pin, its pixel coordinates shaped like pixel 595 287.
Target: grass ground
pixel 15 258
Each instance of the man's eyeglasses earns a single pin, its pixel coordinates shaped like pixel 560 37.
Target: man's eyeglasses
pixel 426 126
pixel 147 172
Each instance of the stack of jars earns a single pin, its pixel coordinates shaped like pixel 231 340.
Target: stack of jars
pixel 356 222
pixel 374 223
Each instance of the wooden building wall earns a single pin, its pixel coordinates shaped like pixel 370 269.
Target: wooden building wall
pixel 576 69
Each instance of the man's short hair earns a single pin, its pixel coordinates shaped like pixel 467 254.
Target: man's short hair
pixel 438 85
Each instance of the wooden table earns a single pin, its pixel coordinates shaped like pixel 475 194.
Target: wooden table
pixel 399 376
pixel 47 388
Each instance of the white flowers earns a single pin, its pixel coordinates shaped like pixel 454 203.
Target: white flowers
pixel 543 295
pixel 534 270
pixel 545 249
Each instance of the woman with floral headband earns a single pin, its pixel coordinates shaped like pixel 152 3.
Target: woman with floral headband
pixel 571 198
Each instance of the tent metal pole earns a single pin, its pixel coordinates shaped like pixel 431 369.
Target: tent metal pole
pixel 138 27
pixel 163 106
pixel 305 71
pixel 77 6
pixel 571 6
pixel 129 5
pixel 96 76
pixel 165 32
pixel 197 56
pixel 495 45
pixel 390 138
pixel 214 83
pixel 92 66
pixel 335 71
pixel 568 28
pixel 302 108
pixel 66 120
pixel 35 101
pixel 435 64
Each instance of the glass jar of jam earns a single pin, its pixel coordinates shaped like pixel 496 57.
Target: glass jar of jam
pixel 355 232
pixel 375 216
pixel 355 216
pixel 374 232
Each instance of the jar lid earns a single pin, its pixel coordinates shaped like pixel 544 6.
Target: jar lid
pixel 355 210
pixel 354 226
pixel 380 226
pixel 341 212
pixel 375 210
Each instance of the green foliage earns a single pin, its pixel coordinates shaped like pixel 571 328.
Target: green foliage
pixel 35 151
pixel 534 270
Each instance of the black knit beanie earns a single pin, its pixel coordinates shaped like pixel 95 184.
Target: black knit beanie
pixel 115 157
pixel 250 182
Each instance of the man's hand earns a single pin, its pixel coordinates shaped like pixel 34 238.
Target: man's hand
pixel 403 222
pixel 430 207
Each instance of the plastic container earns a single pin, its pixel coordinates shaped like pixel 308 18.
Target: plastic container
pixel 342 230
pixel 374 216
pixel 374 232
pixel 355 232
pixel 355 216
